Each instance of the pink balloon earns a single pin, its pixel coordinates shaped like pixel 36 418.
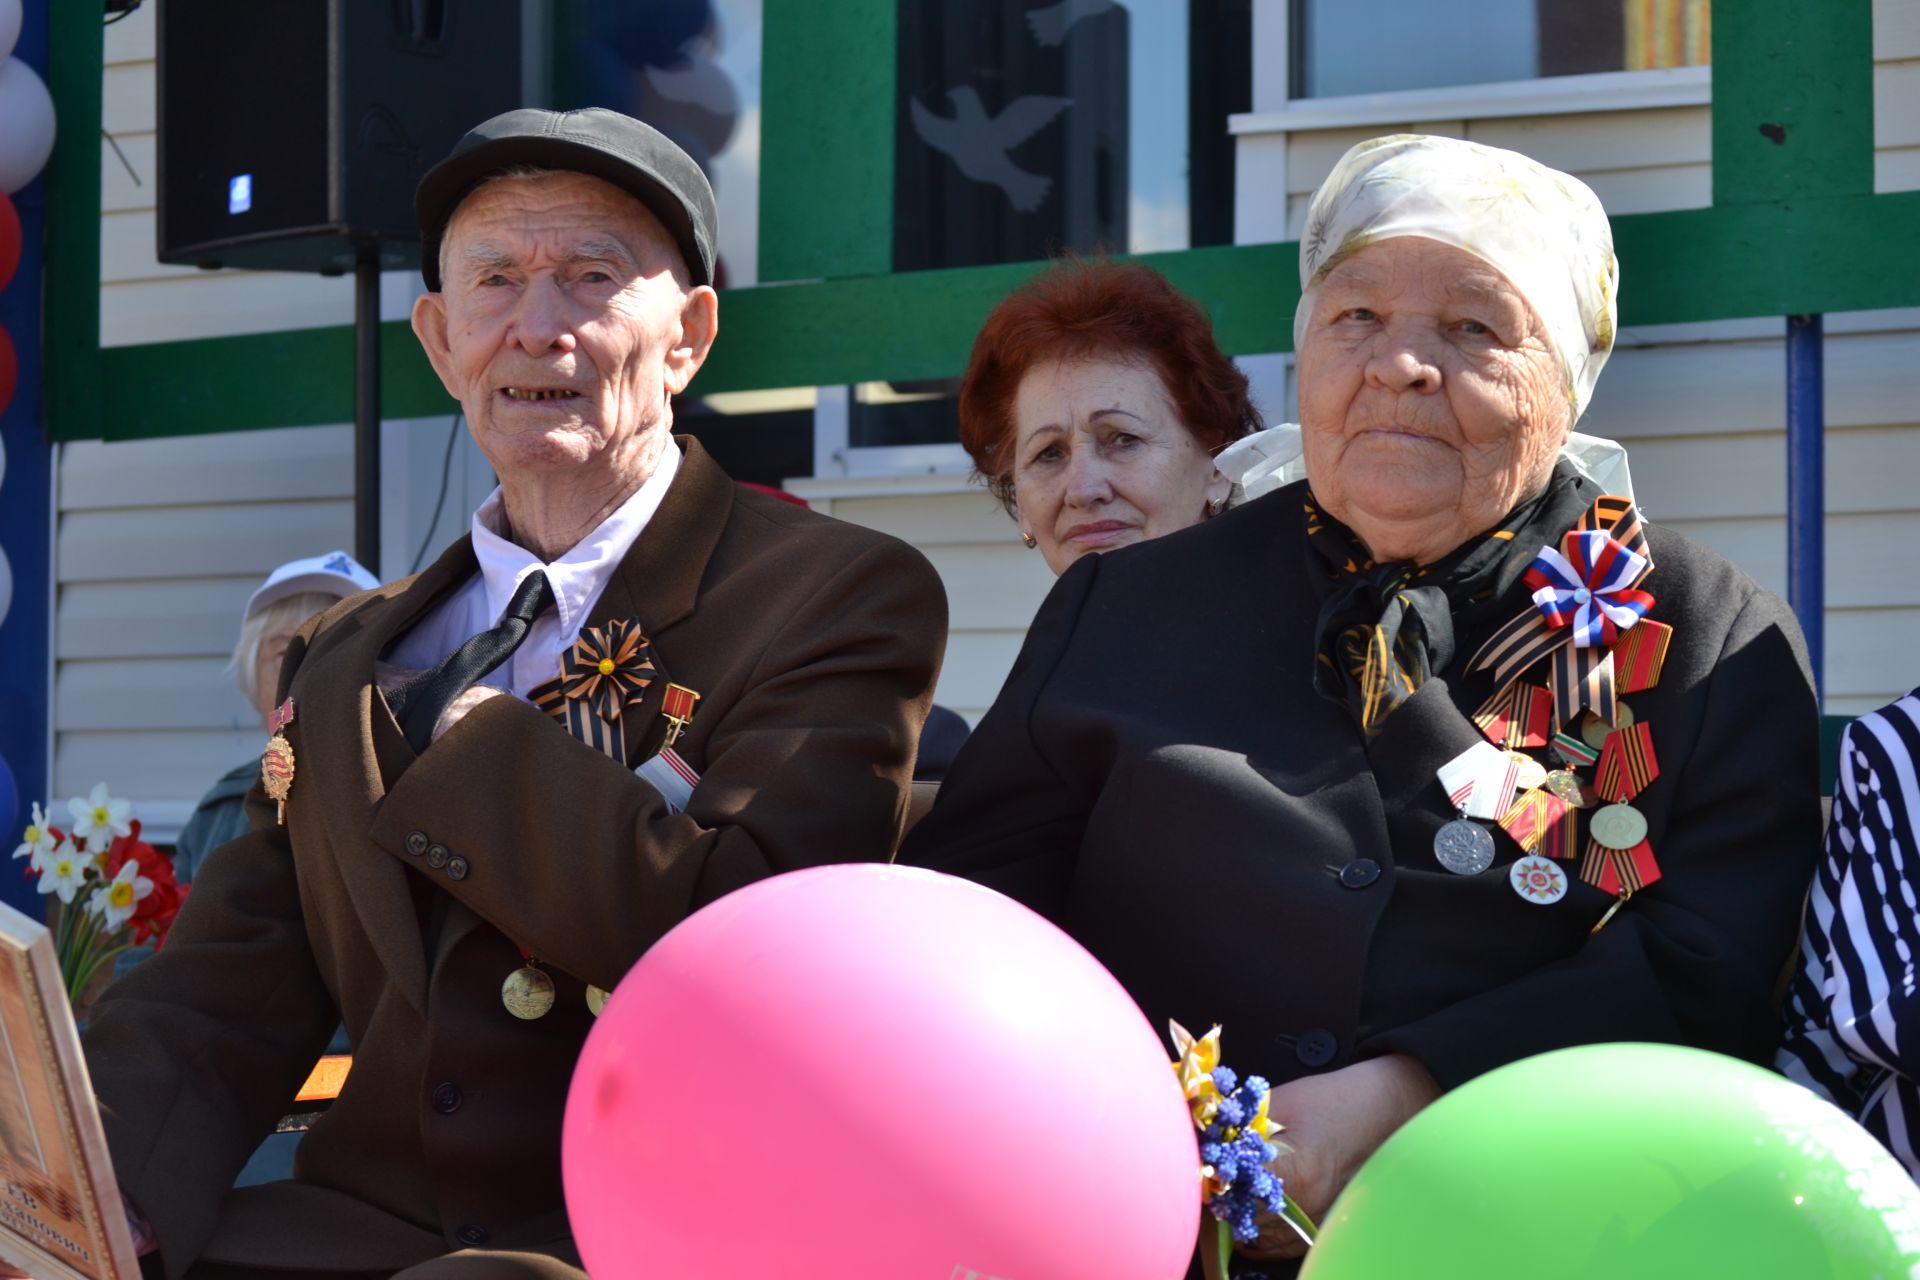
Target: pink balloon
pixel 865 1072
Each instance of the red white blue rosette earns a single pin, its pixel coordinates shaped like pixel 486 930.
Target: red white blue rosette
pixel 1590 588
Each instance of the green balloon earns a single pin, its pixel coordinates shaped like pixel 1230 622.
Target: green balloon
pixel 1616 1161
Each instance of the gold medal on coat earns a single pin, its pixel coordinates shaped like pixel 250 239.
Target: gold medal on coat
pixel 276 761
pixel 527 992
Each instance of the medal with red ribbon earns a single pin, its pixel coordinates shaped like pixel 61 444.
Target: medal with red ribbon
pixel 1517 717
pixel 1618 858
pixel 276 760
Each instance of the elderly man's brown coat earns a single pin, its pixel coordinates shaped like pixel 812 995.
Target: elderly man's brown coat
pixel 401 891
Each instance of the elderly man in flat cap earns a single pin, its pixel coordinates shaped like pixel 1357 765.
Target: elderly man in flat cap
pixel 633 688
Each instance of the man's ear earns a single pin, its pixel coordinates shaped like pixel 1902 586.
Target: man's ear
pixel 699 326
pixel 430 326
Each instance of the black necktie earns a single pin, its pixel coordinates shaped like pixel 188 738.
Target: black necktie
pixel 422 703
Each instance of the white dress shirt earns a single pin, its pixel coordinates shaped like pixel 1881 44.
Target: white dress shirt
pixel 577 578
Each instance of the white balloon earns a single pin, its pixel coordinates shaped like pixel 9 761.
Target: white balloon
pixel 10 13
pixel 6 585
pixel 27 139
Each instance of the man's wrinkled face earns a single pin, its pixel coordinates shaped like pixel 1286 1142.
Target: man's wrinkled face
pixel 564 324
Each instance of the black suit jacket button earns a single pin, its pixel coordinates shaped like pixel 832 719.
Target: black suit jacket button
pixel 446 1097
pixel 437 856
pixel 472 1236
pixel 1315 1048
pixel 457 868
pixel 416 843
pixel 1359 873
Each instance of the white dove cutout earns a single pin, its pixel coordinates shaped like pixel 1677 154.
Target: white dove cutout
pixel 1051 24
pixel 978 146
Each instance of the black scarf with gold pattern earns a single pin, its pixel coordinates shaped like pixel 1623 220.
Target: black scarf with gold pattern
pixel 1385 629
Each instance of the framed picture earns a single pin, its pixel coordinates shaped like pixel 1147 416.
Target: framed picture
pixel 60 1211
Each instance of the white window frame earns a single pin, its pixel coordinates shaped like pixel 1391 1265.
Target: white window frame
pixel 1260 210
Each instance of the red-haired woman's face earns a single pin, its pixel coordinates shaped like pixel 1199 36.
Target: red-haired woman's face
pixel 1101 459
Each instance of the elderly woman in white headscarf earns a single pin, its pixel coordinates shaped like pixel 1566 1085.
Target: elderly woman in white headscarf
pixel 1438 755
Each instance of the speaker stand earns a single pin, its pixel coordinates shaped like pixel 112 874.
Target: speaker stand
pixel 366 410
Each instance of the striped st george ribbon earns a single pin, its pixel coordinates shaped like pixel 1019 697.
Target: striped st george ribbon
pixel 1518 717
pixel 606 669
pixel 1640 655
pixel 1539 818
pixel 1628 765
pixel 1619 871
pixel 1608 542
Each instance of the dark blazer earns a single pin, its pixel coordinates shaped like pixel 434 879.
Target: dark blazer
pixel 1160 778
pixel 400 891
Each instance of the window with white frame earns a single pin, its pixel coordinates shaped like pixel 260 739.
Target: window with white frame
pixel 1341 49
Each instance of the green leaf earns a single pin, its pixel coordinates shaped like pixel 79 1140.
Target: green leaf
pixel 1296 1217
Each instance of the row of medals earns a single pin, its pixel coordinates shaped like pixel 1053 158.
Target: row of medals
pixel 528 993
pixel 1466 848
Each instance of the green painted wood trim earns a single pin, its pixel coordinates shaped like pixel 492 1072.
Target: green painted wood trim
pixel 294 378
pixel 1691 265
pixel 826 138
pixel 76 50
pixel 1792 100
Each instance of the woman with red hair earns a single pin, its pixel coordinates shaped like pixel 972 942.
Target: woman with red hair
pixel 1093 407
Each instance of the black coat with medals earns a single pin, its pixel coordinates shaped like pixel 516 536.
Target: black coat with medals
pixel 1160 778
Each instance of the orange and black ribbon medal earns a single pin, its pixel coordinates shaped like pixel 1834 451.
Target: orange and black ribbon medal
pixel 276 760
pixel 1582 675
pixel 1618 858
pixel 607 668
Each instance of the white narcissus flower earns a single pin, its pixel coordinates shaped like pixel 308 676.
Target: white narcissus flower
pixel 114 901
pixel 37 841
pixel 98 817
pixel 65 871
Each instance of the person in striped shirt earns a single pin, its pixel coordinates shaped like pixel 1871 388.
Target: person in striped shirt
pixel 1853 1020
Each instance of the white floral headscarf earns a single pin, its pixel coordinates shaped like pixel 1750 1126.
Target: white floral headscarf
pixel 1543 230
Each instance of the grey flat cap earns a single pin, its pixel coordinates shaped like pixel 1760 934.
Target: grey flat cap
pixel 604 144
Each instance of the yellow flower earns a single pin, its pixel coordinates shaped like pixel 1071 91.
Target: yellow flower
pixel 1262 1124
pixel 1199 1057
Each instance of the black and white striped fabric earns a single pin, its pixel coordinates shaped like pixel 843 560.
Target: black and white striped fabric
pixel 1853 1019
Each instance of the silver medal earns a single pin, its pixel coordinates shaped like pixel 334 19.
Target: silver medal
pixel 1464 848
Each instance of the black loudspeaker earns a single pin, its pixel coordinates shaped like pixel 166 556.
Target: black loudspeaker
pixel 292 133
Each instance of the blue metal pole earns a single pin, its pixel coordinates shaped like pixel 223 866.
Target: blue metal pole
pixel 26 511
pixel 1806 485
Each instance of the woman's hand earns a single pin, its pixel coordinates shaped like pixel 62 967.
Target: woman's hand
pixel 1333 1122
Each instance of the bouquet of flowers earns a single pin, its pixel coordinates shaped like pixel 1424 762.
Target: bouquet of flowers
pixel 1236 1146
pixel 115 890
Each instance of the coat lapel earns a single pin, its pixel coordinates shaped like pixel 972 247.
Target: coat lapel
pixel 657 582
pixel 340 731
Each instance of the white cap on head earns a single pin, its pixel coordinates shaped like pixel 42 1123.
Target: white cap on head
pixel 336 573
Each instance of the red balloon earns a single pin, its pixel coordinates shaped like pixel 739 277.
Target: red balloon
pixel 10 237
pixel 9 369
